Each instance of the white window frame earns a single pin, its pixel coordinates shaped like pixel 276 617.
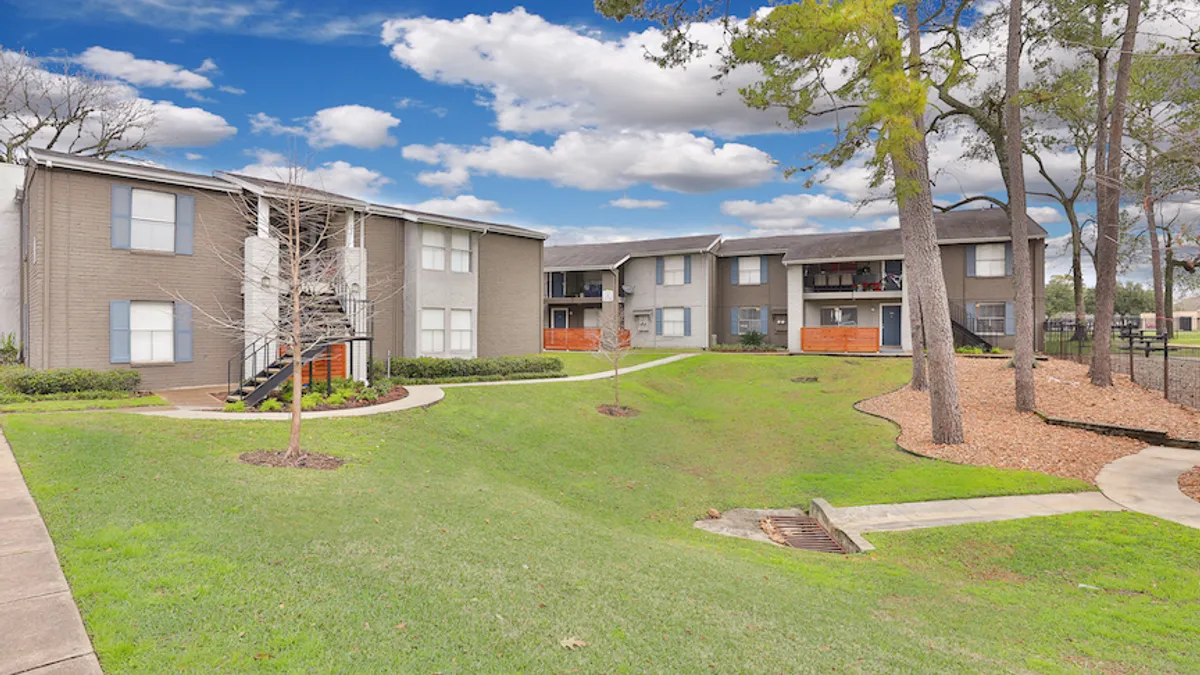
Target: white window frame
pixel 460 338
pixel 989 328
pixel 460 258
pixel 991 260
pixel 673 270
pixel 749 271
pixel 671 326
pixel 747 324
pixel 151 224
pixel 433 330
pixel 151 332
pixel 433 255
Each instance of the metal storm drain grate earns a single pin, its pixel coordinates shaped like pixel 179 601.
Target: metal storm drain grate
pixel 800 532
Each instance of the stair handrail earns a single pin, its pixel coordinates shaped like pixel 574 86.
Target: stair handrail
pixel 257 355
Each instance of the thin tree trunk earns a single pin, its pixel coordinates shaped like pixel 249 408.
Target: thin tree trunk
pixel 1077 272
pixel 1022 266
pixel 293 246
pixel 1156 269
pixel 1108 209
pixel 919 380
pixel 617 380
pixel 1169 283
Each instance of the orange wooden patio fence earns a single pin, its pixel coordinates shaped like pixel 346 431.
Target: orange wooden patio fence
pixel 575 339
pixel 326 365
pixel 839 339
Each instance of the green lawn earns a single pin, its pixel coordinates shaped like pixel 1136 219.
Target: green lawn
pixel 1186 338
pixel 82 404
pixel 581 363
pixel 473 536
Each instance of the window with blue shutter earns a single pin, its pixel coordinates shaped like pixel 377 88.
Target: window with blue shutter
pixel 687 269
pixel 1008 259
pixel 970 260
pixel 733 274
pixel 733 321
pixel 1010 319
pixel 183 332
pixel 658 270
pixel 658 319
pixel 118 331
pixel 185 216
pixel 687 321
pixel 762 275
pixel 764 317
pixel 122 214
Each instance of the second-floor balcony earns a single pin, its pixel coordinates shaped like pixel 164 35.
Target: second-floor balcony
pixel 579 286
pixel 867 278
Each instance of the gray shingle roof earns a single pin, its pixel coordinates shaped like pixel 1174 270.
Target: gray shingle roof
pixel 979 224
pixel 601 256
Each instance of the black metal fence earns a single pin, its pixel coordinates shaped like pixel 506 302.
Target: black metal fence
pixel 1145 356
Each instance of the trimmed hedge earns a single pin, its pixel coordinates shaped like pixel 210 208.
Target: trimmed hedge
pixel 426 368
pixel 10 397
pixel 69 380
pixel 476 378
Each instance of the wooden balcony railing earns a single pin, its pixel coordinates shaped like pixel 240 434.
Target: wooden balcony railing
pixel 839 339
pixel 576 339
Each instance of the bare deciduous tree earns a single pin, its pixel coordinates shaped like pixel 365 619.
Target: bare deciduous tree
pixel 68 110
pixel 612 346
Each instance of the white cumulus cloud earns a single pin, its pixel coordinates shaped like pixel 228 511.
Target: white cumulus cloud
pixel 805 212
pixel 357 126
pixel 339 177
pixel 462 206
pixel 628 203
pixel 595 160
pixel 140 72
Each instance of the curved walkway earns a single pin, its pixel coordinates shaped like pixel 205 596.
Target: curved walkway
pixel 1148 482
pixel 419 396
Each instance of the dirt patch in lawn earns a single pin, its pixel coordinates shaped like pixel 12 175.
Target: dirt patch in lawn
pixel 616 411
pixel 278 458
pixel 1189 483
pixel 996 435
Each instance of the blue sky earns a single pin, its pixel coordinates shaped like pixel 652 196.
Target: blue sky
pixel 543 115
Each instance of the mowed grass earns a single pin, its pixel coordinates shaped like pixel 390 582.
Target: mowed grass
pixel 476 535
pixel 580 363
pixel 1186 338
pixel 83 404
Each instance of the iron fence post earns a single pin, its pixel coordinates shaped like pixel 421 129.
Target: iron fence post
pixel 1166 369
pixel 1131 357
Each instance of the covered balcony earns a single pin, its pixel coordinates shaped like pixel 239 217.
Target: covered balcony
pixel 874 278
pixel 575 285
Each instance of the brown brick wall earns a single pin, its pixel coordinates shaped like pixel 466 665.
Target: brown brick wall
pixel 772 294
pixel 510 295
pixel 385 279
pixel 69 325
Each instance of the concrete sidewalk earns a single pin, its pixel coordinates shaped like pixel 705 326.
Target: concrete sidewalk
pixel 1148 482
pixel 41 632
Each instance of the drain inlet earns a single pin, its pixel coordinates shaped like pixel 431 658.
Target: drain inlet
pixel 800 532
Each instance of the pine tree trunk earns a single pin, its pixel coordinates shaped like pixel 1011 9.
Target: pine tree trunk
pixel 919 381
pixel 1156 268
pixel 1108 209
pixel 1077 273
pixel 1022 266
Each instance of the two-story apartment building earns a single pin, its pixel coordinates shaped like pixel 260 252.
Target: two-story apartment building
pixel 832 292
pixel 132 266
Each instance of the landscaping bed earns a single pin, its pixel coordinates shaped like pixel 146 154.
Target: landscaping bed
pixel 61 389
pixel 1189 483
pixel 338 394
pixel 996 435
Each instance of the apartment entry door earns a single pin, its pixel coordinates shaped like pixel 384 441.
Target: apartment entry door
pixel 891 326
pixel 558 317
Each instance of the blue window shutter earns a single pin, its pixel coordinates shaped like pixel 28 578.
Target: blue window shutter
pixel 687 269
pixel 185 216
pixel 970 260
pixel 764 311
pixel 122 211
pixel 183 332
pixel 658 270
pixel 970 306
pixel 687 321
pixel 1010 319
pixel 733 273
pixel 762 273
pixel 733 321
pixel 118 331
pixel 658 319
pixel 1008 259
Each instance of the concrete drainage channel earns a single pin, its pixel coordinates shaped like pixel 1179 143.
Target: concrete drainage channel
pixel 794 528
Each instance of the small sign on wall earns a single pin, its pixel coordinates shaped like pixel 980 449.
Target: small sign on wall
pixel 607 295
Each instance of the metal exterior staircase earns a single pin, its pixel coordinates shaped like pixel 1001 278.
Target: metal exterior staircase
pixel 963 327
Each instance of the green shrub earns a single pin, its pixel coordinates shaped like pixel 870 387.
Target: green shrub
pixel 270 405
pixel 325 388
pixel 752 339
pixel 236 406
pixel 474 378
pixel 430 368
pixel 310 401
pixel 336 399
pixel 69 380
pixel 745 348
pixel 368 395
pixel 968 349
pixel 10 351
pixel 346 393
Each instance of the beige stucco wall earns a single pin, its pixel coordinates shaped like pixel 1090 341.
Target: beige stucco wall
pixel 384 242
pixel 773 294
pixel 75 273
pixel 510 295
pixel 962 289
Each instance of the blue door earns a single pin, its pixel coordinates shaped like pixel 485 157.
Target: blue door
pixel 558 318
pixel 891 325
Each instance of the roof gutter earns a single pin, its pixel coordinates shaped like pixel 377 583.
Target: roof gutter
pixel 126 170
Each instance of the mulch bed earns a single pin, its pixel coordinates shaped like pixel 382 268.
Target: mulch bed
pixel 398 392
pixel 1189 483
pixel 278 458
pixel 614 411
pixel 996 435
